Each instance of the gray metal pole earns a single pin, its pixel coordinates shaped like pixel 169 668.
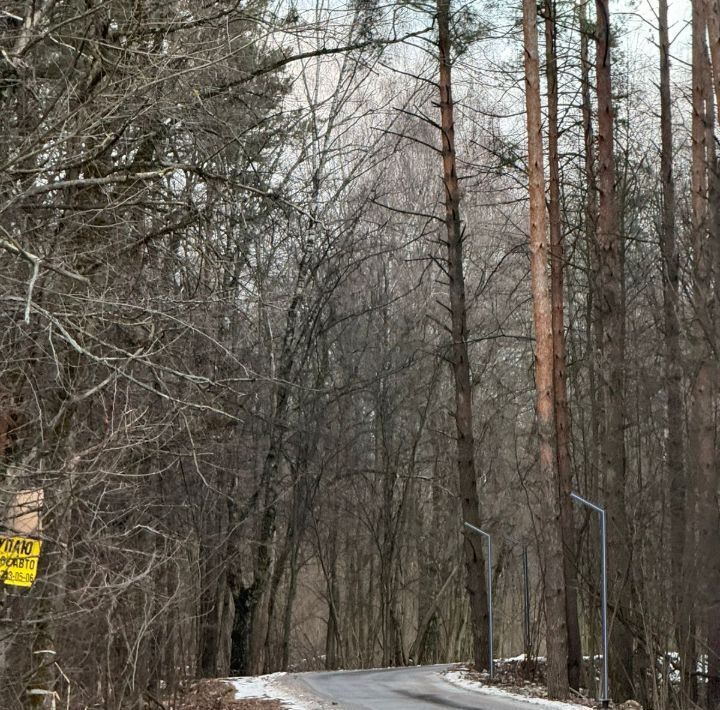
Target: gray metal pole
pixel 605 699
pixel 603 537
pixel 490 605
pixel 526 604
pixel 489 593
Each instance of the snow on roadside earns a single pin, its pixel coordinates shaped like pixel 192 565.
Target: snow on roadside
pixel 264 687
pixel 460 679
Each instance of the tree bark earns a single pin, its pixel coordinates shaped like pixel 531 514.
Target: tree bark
pixel 702 426
pixel 711 9
pixel 593 336
pixel 562 416
pixel 553 588
pixel 611 308
pixel 473 552
pixel 674 446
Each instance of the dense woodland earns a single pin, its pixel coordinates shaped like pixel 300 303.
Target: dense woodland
pixel 291 291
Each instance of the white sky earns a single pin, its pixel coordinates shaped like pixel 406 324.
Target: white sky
pixel 642 27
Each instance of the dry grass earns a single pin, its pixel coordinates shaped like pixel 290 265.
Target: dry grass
pixel 213 695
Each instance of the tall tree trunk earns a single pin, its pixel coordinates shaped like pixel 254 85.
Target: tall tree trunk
pixel 612 315
pixel 711 11
pixel 474 558
pixel 702 425
pixel 594 339
pixel 554 588
pixel 263 567
pixel 673 360
pixel 333 642
pixel 711 480
pixel 213 617
pixel 562 417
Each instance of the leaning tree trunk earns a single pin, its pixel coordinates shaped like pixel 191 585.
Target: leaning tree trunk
pixel 474 559
pixel 554 588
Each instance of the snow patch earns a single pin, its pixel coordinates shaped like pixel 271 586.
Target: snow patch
pixel 264 687
pixel 519 658
pixel 458 678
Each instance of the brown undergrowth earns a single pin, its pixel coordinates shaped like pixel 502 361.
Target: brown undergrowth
pixel 522 677
pixel 210 695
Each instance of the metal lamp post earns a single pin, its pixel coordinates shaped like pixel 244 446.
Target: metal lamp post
pixel 605 699
pixel 489 591
pixel 526 605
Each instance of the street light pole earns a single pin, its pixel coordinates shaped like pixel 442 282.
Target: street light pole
pixel 603 591
pixel 526 604
pixel 489 591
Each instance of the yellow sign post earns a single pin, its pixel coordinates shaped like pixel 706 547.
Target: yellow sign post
pixel 19 560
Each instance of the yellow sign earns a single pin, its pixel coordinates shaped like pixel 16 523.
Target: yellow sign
pixel 19 560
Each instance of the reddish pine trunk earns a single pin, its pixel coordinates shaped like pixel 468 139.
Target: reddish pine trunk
pixel 553 588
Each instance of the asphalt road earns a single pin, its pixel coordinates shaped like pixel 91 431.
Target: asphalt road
pixel 416 688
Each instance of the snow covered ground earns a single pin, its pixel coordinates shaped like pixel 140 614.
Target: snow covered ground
pixel 265 687
pixel 459 678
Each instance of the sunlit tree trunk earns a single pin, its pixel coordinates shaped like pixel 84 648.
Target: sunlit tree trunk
pixel 553 587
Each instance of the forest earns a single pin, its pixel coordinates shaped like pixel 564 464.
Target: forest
pixel 293 289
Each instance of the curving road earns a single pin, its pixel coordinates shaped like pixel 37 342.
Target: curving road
pixel 415 688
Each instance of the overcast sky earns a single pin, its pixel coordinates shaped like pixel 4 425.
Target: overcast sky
pixel 642 26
